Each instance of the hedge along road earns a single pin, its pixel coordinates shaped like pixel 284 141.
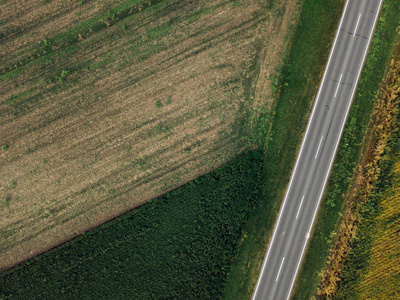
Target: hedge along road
pixel 303 196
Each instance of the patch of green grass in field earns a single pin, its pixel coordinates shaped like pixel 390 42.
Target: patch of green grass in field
pixel 297 88
pixel 197 15
pixel 178 246
pixel 349 149
pixel 16 98
pixel 258 119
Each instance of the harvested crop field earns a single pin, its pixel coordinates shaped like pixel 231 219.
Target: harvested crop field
pixel 105 105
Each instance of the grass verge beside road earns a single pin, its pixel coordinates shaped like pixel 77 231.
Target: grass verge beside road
pixel 370 267
pixel 298 85
pixel 357 126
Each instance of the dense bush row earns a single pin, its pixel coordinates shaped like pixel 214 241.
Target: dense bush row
pixel 178 246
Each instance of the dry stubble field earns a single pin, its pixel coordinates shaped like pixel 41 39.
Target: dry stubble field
pixel 105 105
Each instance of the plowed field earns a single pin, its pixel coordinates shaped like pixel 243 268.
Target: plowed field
pixel 105 105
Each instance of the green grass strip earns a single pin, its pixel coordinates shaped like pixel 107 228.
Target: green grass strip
pixel 349 150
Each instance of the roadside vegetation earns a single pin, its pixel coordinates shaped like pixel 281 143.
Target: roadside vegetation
pixel 371 266
pixel 352 175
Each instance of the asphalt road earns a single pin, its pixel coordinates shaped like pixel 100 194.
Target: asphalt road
pixel 319 146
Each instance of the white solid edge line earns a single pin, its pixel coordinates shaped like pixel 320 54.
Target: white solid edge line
pixel 298 265
pixel 319 146
pixel 301 149
pixel 355 30
pixel 280 268
pixel 337 144
pixel 301 203
pixel 338 85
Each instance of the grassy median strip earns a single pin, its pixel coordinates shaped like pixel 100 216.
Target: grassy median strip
pixel 349 150
pixel 298 85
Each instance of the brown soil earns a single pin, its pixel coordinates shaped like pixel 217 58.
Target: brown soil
pixel 26 23
pixel 87 149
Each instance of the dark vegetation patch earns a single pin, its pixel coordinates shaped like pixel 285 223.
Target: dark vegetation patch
pixel 179 246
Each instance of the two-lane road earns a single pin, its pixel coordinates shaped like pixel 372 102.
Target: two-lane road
pixel 318 149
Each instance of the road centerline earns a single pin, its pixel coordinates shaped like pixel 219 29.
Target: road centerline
pixel 338 85
pixel 301 203
pixel 355 29
pixel 280 268
pixel 319 146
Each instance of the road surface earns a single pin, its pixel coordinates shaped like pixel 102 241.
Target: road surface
pixel 318 149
